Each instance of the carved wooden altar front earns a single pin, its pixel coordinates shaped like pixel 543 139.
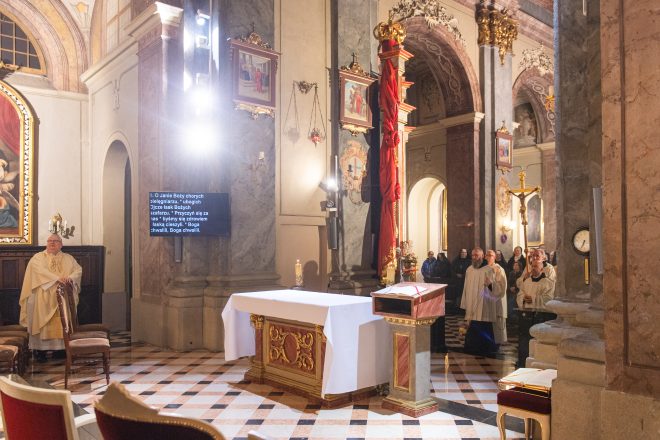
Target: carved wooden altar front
pixel 290 355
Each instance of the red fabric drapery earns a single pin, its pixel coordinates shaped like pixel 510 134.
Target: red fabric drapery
pixel 9 125
pixel 390 189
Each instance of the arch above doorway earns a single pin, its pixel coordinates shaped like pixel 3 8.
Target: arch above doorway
pixel 447 57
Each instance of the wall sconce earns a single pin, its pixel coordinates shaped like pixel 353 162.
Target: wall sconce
pixel 56 225
pixel 507 226
pixel 201 18
pixel 259 164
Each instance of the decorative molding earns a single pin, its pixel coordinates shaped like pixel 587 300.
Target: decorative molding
pixel 467 118
pixel 496 28
pixel 537 58
pixel 433 13
pixel 255 39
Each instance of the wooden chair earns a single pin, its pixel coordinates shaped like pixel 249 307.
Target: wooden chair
pixel 79 329
pixel 122 416
pixel 37 413
pixel 80 349
pixel 527 404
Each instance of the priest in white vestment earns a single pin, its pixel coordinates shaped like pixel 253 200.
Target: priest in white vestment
pixel 536 287
pixel 483 295
pixel 38 301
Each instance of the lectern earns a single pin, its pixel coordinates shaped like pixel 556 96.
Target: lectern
pixel 410 308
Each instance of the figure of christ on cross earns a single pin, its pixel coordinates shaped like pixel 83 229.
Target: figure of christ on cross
pixel 522 193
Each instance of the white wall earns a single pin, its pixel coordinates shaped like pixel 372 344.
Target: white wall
pixel 60 131
pixel 302 36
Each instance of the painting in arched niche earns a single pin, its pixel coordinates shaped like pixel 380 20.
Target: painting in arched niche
pixel 16 167
pixel 525 134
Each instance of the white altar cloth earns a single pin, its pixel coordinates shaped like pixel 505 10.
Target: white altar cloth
pixel 358 350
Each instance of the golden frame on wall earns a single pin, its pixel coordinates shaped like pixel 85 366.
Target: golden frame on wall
pixel 17 126
pixel 503 149
pixel 254 69
pixel 354 101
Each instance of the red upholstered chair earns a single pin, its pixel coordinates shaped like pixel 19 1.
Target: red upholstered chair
pixel 36 413
pixel 528 405
pixel 121 416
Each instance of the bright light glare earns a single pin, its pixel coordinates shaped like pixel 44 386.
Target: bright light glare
pixel 199 137
pixel 187 80
pixel 200 98
pixel 331 184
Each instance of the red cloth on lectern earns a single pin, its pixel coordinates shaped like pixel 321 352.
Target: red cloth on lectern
pixel 9 125
pixel 390 189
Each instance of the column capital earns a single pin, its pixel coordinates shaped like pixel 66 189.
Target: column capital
pixel 156 14
pixel 467 118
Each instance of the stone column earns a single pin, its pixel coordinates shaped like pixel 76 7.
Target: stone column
pixel 158 35
pixel 463 180
pixel 631 128
pixel 574 342
pixel 353 268
pixel 549 192
pixel 495 78
pixel 245 261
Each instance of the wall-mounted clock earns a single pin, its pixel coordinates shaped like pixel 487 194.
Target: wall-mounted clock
pixel 580 241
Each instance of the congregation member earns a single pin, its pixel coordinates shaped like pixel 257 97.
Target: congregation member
pixel 499 259
pixel 458 268
pixel 485 286
pixel 39 311
pixel 536 287
pixel 427 266
pixel 441 271
pixel 512 289
pixel 517 257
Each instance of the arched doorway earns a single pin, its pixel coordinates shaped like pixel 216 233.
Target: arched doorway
pixel 427 217
pixel 446 143
pixel 117 237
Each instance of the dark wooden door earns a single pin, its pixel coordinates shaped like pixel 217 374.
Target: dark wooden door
pixel 14 260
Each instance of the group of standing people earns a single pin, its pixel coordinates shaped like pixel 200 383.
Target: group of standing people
pixel 487 288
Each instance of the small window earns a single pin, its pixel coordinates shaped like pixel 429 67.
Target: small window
pixel 117 16
pixel 16 47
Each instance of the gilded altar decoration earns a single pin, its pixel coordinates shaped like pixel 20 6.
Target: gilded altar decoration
pixel 291 347
pixel 353 164
pixel 16 167
pixel 254 66
pixel 433 13
pixel 537 58
pixel 390 31
pixel 496 28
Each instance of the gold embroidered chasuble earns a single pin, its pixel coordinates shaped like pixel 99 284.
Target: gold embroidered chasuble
pixel 41 277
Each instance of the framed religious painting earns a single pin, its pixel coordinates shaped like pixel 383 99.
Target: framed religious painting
pixel 535 221
pixel 17 168
pixel 354 108
pixel 254 66
pixel 503 149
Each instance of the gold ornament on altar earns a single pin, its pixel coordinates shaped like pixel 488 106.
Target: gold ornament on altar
pixel 392 30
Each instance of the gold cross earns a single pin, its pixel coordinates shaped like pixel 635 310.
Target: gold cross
pixel 522 193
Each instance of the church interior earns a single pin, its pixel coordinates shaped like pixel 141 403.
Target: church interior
pixel 194 153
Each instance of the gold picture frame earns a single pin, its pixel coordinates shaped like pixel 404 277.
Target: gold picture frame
pixel 254 70
pixel 17 127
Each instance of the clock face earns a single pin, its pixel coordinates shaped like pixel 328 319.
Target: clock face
pixel 581 241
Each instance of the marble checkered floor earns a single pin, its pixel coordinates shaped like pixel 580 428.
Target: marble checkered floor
pixel 201 384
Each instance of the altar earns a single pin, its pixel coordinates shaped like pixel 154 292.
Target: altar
pixel 328 347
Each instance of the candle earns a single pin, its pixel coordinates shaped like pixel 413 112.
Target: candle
pixel 57 227
pixel 298 270
pixel 50 225
pixel 65 225
pixel 551 90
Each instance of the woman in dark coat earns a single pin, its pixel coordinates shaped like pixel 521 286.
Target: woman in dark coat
pixel 519 257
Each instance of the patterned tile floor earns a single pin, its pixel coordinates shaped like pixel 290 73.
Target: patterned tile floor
pixel 201 384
